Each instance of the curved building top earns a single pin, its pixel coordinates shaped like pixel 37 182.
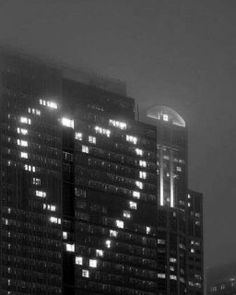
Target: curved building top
pixel 166 114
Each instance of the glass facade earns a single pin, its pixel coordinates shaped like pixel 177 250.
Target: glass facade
pixel 92 200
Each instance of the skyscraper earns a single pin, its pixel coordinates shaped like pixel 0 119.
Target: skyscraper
pixel 180 213
pixel 93 201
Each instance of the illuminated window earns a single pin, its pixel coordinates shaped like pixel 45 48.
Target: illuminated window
pixel 43 102
pixel 139 152
pixel 99 253
pixel 78 136
pixel 143 174
pixel 67 122
pixel 29 168
pixel 173 277
pixel 192 250
pixel 133 205
pixel 70 247
pixel 108 243
pixel 85 273
pixel 85 149
pixel 65 235
pixel 113 233
pixel 172 259
pixel 131 139
pixel 139 184
pixel 93 263
pixel 22 131
pixel 103 131
pixel 118 124
pixel 25 120
pixel 126 214
pixel 49 104
pixel 189 197
pixel 136 194
pixel 142 163
pixel 120 223
pixel 54 219
pixel 21 142
pixel 53 208
pixel 52 105
pixel 36 181
pixel 148 230
pixel 40 194
pixel 78 260
pixel 34 111
pixel 92 139
pixel 161 275
pixel 165 117
pixel 178 168
pixel 24 155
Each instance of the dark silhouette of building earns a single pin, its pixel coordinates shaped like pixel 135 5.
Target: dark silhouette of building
pixel 92 200
pixel 195 265
pixel 221 280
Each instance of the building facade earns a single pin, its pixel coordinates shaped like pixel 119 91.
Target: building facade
pixel 195 262
pixel 180 212
pixel 93 201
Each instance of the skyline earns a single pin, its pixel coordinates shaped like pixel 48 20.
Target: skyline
pixel 180 55
pixel 92 198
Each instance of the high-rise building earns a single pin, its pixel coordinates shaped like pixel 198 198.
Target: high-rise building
pixel 195 263
pixel 180 213
pixel 221 280
pixel 93 201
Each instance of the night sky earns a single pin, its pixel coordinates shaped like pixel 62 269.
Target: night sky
pixel 177 53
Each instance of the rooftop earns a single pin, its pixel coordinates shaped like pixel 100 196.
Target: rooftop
pixel 80 74
pixel 166 114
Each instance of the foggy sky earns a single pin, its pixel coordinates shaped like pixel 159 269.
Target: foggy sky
pixel 177 53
